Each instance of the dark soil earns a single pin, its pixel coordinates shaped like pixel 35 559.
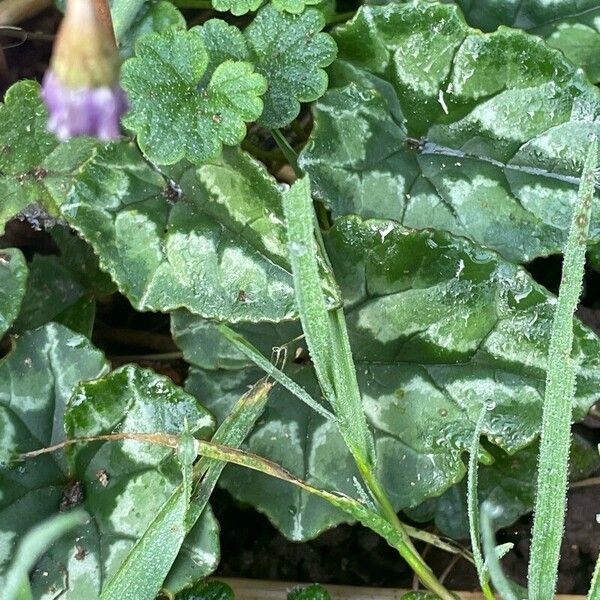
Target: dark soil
pixel 351 555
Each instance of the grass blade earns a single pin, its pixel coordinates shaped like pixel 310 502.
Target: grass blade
pixel 145 567
pixel 500 581
pixel 326 335
pixel 246 348
pixel 555 440
pixel 330 355
pixel 473 506
pixel 232 432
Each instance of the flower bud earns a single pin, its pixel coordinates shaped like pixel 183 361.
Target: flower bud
pixel 81 88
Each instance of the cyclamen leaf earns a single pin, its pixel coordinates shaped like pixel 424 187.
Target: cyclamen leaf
pixel 482 135
pixel 209 590
pixel 30 547
pixel 63 288
pixel 119 478
pixel 36 379
pixel 173 116
pixel 144 569
pixel 437 326
pixel 569 25
pixel 32 162
pixel 509 482
pixel 219 250
pixel 54 294
pixel 13 281
pixel 291 52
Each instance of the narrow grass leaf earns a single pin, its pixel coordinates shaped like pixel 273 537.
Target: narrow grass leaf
pixel 555 441
pixel 232 432
pixel 473 505
pixel 499 579
pixel 325 333
pixel 149 561
pixel 246 348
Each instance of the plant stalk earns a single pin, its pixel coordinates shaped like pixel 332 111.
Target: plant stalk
pixel 327 338
pixel 553 468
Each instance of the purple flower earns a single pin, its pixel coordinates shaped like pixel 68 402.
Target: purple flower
pixel 75 111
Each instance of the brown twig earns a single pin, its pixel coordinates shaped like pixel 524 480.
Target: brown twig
pixel 449 568
pixel 163 439
pixel 16 11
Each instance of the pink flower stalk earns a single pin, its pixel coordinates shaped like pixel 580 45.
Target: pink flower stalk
pixel 81 88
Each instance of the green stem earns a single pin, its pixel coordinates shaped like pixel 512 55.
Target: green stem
pixel 406 548
pixel 289 153
pixel 549 513
pixel 326 335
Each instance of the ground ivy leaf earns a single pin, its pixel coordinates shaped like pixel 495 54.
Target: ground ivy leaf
pixel 223 42
pixel 422 128
pixel 219 250
pixel 119 484
pixel 438 326
pixel 32 162
pixel 241 7
pixel 294 6
pixel 155 16
pixel 291 52
pixel 13 283
pixel 311 592
pixel 172 116
pixel 237 7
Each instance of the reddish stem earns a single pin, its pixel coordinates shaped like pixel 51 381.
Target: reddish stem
pixel 103 12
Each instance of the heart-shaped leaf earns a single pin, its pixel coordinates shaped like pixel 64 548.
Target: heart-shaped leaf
pixel 482 135
pixel 438 326
pixel 13 281
pixel 36 380
pixel 509 483
pixel 31 159
pixel 218 250
pixel 120 484
pixel 174 112
pixel 572 26
pixel 63 288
